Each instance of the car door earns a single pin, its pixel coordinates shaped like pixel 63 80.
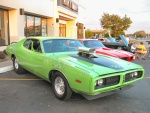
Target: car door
pixel 38 58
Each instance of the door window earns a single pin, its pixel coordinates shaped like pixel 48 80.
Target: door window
pixel 27 44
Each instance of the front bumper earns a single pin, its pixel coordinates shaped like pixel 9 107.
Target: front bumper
pixel 103 94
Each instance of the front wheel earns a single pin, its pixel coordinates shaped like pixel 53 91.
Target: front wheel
pixel 18 69
pixel 61 87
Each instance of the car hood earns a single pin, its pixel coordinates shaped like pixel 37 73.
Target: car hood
pixel 124 40
pixel 101 65
pixel 114 52
pixel 123 43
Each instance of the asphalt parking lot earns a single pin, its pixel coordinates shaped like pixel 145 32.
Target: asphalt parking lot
pixel 29 94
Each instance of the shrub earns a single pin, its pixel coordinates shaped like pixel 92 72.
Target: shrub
pixel 2 55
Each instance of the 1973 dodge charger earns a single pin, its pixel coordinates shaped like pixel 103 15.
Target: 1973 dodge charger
pixel 70 67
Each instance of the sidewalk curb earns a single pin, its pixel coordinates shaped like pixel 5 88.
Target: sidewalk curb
pixel 5 69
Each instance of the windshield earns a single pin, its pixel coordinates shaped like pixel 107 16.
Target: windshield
pixel 61 45
pixel 93 44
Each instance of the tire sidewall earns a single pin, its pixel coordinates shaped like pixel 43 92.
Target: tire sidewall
pixel 16 70
pixel 66 94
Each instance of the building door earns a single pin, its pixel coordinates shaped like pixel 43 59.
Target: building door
pixel 62 30
pixel 4 40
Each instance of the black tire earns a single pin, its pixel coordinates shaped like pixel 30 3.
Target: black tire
pixel 63 93
pixel 18 69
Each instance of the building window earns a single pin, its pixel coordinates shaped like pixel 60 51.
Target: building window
pixel 35 26
pixel 62 30
pixel 30 26
pixel 44 27
pixel 4 40
pixel 80 31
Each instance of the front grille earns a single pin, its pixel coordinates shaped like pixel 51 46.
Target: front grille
pixel 110 81
pixel 130 77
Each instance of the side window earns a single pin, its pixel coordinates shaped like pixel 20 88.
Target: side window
pixel 37 46
pixel 27 44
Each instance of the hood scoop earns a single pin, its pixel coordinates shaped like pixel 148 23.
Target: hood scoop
pixel 87 52
pixel 88 55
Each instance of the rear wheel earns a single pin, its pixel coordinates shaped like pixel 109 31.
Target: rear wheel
pixel 18 69
pixel 61 87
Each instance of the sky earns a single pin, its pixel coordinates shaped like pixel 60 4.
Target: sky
pixel 137 10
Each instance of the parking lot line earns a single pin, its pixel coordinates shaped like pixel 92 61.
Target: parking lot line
pixel 20 79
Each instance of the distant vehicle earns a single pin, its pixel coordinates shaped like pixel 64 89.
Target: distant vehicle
pixel 101 49
pixel 103 39
pixel 115 44
pixel 148 41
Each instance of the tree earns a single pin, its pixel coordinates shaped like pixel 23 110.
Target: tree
pixel 140 34
pixel 114 24
pixel 88 33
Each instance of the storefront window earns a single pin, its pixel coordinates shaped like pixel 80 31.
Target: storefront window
pixel 30 26
pixel 62 30
pixel 44 27
pixel 4 28
pixel 35 26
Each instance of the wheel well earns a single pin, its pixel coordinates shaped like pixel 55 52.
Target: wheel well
pixel 52 72
pixel 12 56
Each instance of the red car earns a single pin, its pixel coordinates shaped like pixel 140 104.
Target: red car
pixel 101 49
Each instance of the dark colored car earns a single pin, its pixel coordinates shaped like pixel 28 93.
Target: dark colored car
pixel 115 44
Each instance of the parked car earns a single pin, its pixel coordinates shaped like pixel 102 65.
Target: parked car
pixel 115 44
pixel 70 67
pixel 101 49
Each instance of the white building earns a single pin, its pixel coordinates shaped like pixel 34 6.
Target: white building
pixel 23 18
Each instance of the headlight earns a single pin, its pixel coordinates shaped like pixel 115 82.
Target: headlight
pixel 134 74
pixel 99 82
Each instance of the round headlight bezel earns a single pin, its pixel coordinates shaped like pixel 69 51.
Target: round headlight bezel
pixel 135 74
pixel 99 82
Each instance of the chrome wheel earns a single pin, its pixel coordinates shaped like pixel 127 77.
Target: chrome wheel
pixel 18 69
pixel 59 86
pixel 16 64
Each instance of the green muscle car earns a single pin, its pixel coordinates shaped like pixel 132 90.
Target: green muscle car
pixel 70 67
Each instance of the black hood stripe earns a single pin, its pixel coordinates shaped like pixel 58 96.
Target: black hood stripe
pixel 102 61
